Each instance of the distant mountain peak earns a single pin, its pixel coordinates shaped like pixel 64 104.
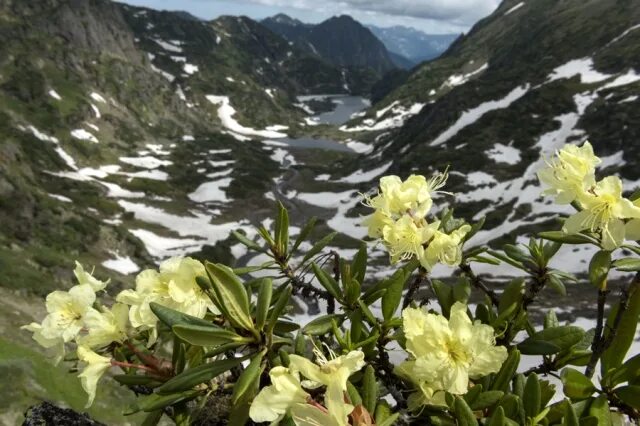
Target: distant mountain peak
pixel 284 19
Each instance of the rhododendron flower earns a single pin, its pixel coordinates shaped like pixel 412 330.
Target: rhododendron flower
pixel 446 354
pixel 67 311
pixel 570 173
pixel 173 286
pixel 285 394
pixel 604 209
pixel 96 366
pixel 105 326
pixel 85 277
pixel 444 248
pixel 332 371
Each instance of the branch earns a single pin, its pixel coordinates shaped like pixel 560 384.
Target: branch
pixel 391 381
pixel 415 285
pixel 597 344
pixel 478 283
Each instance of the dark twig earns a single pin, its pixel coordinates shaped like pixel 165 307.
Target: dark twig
pixel 394 385
pixel 415 285
pixel 478 283
pixel 598 338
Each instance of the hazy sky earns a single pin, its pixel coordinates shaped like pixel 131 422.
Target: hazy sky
pixel 431 16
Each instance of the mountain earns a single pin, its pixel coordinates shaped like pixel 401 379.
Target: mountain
pixel 341 40
pixel 525 80
pixel 413 44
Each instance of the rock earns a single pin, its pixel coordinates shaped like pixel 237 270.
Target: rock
pixel 47 414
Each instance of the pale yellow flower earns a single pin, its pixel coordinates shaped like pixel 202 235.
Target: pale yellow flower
pixel 56 344
pixel 106 326
pixel 283 395
pixel 406 237
pixel 85 277
pixel 336 413
pixel 174 286
pixel 446 354
pixel 444 248
pixel 604 211
pixel 570 173
pixel 67 312
pixel 96 366
pixel 332 371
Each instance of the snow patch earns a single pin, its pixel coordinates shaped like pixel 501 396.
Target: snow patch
pixel 504 154
pixel 226 113
pixel 83 135
pixel 514 8
pixel 190 69
pixel 55 95
pixel 147 162
pixel 471 116
pixel 97 97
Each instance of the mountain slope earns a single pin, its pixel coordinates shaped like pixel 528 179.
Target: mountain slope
pixel 486 111
pixel 341 40
pixel 411 43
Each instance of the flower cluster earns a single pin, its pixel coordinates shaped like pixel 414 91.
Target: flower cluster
pixel 400 221
pixel 446 354
pixel 603 210
pixel 173 286
pixel 77 316
pixel 286 394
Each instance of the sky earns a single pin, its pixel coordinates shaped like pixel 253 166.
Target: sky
pixel 430 16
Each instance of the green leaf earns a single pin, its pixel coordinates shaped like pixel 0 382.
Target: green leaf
pixel 264 302
pixel 327 281
pixel 570 417
pixel 392 298
pixel 153 418
pixel 616 352
pixel 389 421
pixel 576 385
pixel 246 241
pixel 463 413
pixel 555 282
pixel 627 372
pixel 136 380
pixel 264 232
pixel 317 247
pixel 156 401
pixel 321 325
pixel 209 335
pixel 354 395
pixel 627 264
pixel 533 395
pixel 234 301
pixel 599 409
pixel 197 375
pixel 282 230
pixel 278 308
pixel 304 233
pixel 283 326
pixel 369 389
pixel 551 320
pixel 171 317
pixel 562 237
pixel 497 418
pixel 462 290
pixel 247 379
pixel 485 400
pixel 630 395
pixel 508 369
pixel 444 294
pixel 551 340
pixel 599 268
pixel 512 295
pixel 359 264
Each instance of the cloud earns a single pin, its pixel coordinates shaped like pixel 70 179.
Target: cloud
pixel 455 12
